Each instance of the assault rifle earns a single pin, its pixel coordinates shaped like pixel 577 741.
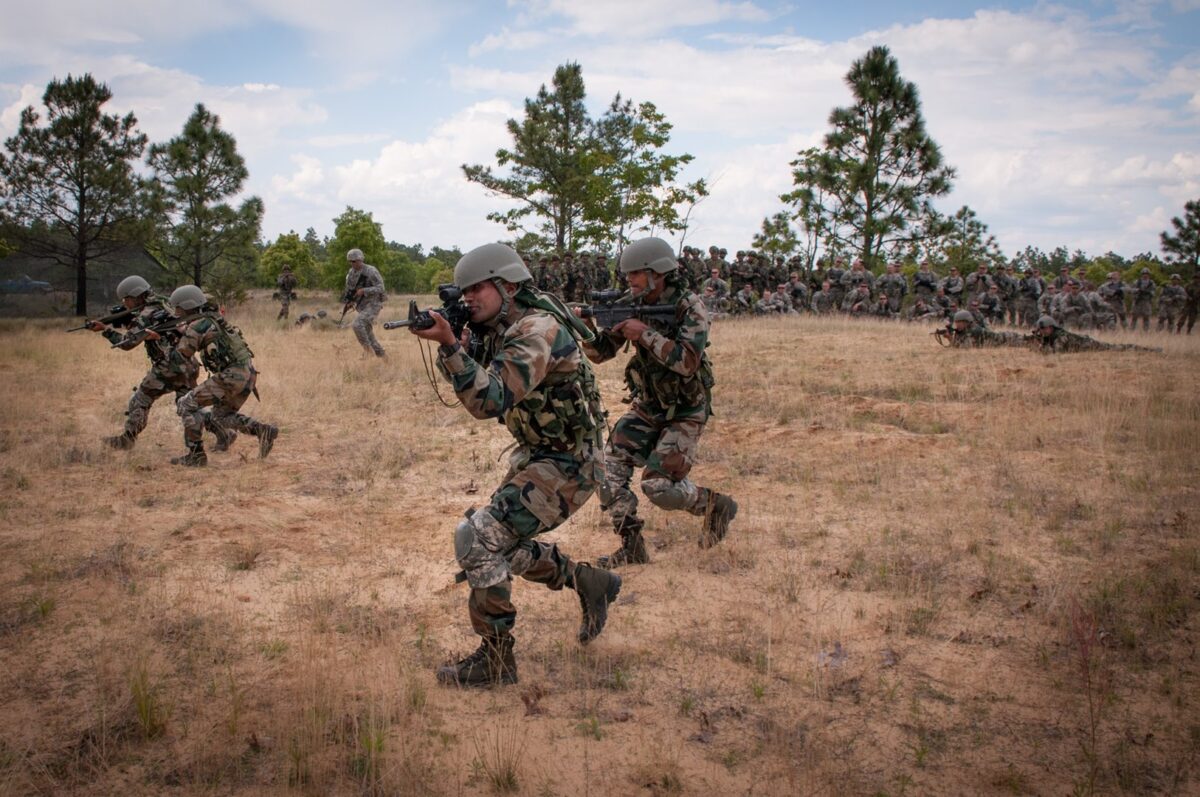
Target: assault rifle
pixel 118 315
pixel 452 309
pixel 162 322
pixel 348 296
pixel 607 313
pixel 945 335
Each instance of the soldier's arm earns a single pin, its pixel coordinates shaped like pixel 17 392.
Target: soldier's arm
pixel 684 352
pixel 374 286
pixel 192 340
pixel 516 369
pixel 604 347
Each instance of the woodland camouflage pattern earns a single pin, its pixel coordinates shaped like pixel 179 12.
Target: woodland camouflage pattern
pixel 231 379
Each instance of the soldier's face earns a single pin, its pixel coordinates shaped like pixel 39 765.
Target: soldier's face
pixel 131 302
pixel 960 326
pixel 483 300
pixel 356 265
pixel 639 281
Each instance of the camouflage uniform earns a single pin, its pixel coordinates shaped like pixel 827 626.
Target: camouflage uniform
pixel 670 382
pixel 977 283
pixel 719 286
pixel 858 301
pixel 286 285
pixel 1113 293
pixel 1170 302
pixel 1143 299
pixel 531 376
pixel 895 288
pixel 1188 316
pixel 977 336
pixel 823 301
pixel 231 380
pixel 924 283
pixel 953 286
pixel 1064 342
pixel 170 371
pixel 1029 290
pixel 367 306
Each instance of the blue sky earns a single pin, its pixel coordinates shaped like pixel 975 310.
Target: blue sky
pixel 1072 124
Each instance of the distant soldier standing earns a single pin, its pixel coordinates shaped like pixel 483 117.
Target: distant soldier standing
pixel 670 381
pixel 365 290
pixel 170 371
pixel 893 285
pixel 1170 303
pixel 925 282
pixel 1144 289
pixel 1190 306
pixel 286 285
pixel 231 376
pixel 1113 293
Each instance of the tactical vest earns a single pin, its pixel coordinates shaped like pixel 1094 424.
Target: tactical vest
pixel 563 412
pixel 656 385
pixel 228 348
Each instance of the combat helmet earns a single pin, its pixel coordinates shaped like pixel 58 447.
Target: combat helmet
pixel 1048 322
pixel 490 262
pixel 188 297
pixel 648 253
pixel 964 315
pixel 132 287
pixel 354 254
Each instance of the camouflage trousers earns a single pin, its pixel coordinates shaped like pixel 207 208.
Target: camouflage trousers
pixel 225 392
pixel 1141 309
pixel 496 542
pixel 363 329
pixel 665 450
pixel 285 306
pixel 154 385
pixel 1118 308
pixel 1187 318
pixel 1166 318
pixel 1027 311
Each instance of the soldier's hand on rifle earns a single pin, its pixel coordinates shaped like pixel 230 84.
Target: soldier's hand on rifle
pixel 96 326
pixel 440 332
pixel 631 328
pixel 358 293
pixel 152 335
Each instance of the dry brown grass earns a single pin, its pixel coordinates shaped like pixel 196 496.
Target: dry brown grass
pixel 953 572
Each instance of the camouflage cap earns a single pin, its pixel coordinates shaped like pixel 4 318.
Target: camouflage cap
pixel 353 255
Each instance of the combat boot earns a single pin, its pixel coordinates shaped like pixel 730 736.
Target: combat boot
pixel 121 442
pixel 596 589
pixel 225 437
pixel 721 510
pixel 266 439
pixel 493 664
pixel 194 458
pixel 633 545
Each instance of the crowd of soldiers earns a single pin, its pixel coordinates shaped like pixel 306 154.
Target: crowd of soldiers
pixel 757 284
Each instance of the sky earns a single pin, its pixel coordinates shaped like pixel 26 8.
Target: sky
pixel 1070 124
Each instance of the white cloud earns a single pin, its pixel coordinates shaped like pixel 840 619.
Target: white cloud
pixel 642 18
pixel 512 40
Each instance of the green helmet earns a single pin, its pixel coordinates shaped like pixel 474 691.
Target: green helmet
pixel 652 253
pixel 1047 322
pixel 490 261
pixel 964 315
pixel 132 287
pixel 188 297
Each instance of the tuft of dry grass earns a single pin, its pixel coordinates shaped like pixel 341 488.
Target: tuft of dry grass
pixel 952 572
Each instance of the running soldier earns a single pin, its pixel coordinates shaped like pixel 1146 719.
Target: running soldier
pixel 670 381
pixel 231 376
pixel 365 290
pixel 531 375
pixel 170 371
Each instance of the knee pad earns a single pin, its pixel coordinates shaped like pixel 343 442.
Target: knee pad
pixel 186 405
pixel 479 552
pixel 665 493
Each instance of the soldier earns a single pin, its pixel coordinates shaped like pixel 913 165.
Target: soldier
pixel 532 376
pixel 1103 316
pixel 894 287
pixel 1170 303
pixel 1050 338
pixel 601 279
pixel 992 305
pixel 1048 303
pixel 858 275
pixel 966 332
pixel 743 301
pixel 925 282
pixel 365 290
pixel 977 282
pixel 953 286
pixel 1064 276
pixel 823 301
pixel 286 286
pixel 858 301
pixel 977 313
pixel 835 275
pixel 1190 306
pixel 1143 300
pixel 170 371
pixel 1030 288
pixel 1113 293
pixel 798 291
pixel 1007 280
pixel 882 308
pixel 923 311
pixel 943 303
pixel 719 286
pixel 780 301
pixel 670 382
pixel 231 377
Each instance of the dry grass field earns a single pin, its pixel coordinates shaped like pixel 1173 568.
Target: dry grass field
pixel 954 572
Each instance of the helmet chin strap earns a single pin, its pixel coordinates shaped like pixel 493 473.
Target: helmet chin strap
pixel 505 300
pixel 651 285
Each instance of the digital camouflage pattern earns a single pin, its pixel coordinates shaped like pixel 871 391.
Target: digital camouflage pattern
pixel 368 306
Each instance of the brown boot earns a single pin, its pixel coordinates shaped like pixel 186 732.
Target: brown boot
pixel 720 511
pixel 194 458
pixel 266 439
pixel 225 437
pixel 121 442
pixel 633 546
pixel 596 589
pixel 493 664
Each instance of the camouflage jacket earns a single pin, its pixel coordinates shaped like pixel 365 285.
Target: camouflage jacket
pixel 852 279
pixel 1143 289
pixel 532 376
pixel 286 283
pixel 1172 298
pixel 822 302
pixel 924 282
pixel 669 373
pixel 977 283
pixel 219 343
pixel 1031 287
pixel 978 337
pixel 893 286
pixel 953 286
pixel 372 288
pixel 1067 342
pixel 1113 292
pixel 164 356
